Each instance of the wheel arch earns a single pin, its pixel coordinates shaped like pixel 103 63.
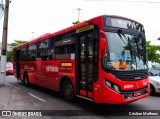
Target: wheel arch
pixel 62 80
pixel 25 73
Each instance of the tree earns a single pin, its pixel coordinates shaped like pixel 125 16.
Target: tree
pixel 158 38
pixel 9 56
pixel 153 52
pixel 17 42
pixel 76 22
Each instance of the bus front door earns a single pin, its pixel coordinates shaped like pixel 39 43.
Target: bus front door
pixel 17 59
pixel 85 63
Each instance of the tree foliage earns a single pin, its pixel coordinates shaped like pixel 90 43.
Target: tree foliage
pixel 17 42
pixel 14 44
pixel 76 22
pixel 153 52
pixel 9 56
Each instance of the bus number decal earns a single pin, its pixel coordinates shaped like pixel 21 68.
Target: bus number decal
pixel 86 28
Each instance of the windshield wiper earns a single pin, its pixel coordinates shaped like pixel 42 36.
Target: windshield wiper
pixel 120 34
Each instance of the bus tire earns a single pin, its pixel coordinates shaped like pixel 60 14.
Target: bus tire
pixel 26 79
pixel 68 90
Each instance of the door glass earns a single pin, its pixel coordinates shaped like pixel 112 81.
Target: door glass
pixel 86 61
pixel 82 58
pixel 90 60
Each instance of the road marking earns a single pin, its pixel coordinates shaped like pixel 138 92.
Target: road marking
pixel 36 97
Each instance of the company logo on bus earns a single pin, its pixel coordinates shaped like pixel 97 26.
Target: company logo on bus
pixel 51 68
pixel 128 86
pixel 137 78
pixel 25 67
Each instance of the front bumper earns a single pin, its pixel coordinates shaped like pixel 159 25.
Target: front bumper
pixel 133 94
pixel 109 96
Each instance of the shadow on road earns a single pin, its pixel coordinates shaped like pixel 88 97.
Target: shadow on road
pixel 91 107
pixel 156 95
pixel 82 107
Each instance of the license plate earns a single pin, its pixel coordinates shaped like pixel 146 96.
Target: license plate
pixel 137 93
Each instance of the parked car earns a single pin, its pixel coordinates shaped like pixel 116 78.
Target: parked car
pixel 154 84
pixel 9 68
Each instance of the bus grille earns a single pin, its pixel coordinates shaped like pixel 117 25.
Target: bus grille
pixel 131 94
pixel 129 75
pixel 133 76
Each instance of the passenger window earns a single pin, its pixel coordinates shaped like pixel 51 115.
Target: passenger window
pixel 32 52
pixel 65 46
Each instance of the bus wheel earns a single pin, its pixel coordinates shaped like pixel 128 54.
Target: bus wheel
pixel 26 81
pixel 68 90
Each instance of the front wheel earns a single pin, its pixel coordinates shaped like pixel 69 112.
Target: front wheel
pixel 68 90
pixel 26 80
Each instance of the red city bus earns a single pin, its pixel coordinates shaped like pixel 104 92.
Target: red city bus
pixel 102 60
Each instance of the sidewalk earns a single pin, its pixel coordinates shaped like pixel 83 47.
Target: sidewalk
pixel 12 99
pixel 5 94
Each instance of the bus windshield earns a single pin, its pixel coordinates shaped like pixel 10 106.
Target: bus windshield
pixel 125 52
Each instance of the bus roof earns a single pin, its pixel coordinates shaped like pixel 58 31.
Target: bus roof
pixel 48 35
pixel 117 16
pixel 74 27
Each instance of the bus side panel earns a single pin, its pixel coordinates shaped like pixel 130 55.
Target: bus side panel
pixel 51 72
pixel 54 77
pixel 31 77
pixel 30 68
pixel 14 69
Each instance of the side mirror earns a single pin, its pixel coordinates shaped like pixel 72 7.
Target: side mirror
pixel 105 57
pixel 102 44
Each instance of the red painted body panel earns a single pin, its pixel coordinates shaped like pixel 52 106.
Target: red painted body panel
pixel 49 73
pixel 103 94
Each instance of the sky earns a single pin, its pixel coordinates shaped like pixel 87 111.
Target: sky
pixel 31 18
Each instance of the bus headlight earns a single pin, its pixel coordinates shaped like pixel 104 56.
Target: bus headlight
pixel 116 88
pixel 108 84
pixel 112 86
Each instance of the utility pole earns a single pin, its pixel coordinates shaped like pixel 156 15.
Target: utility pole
pixel 1 9
pixel 32 34
pixel 79 9
pixel 4 42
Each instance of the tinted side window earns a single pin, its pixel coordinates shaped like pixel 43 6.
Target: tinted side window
pixel 24 54
pixel 45 50
pixel 51 49
pixel 65 46
pixel 32 52
pixel 41 50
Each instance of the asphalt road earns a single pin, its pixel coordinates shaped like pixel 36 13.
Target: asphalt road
pixel 38 98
